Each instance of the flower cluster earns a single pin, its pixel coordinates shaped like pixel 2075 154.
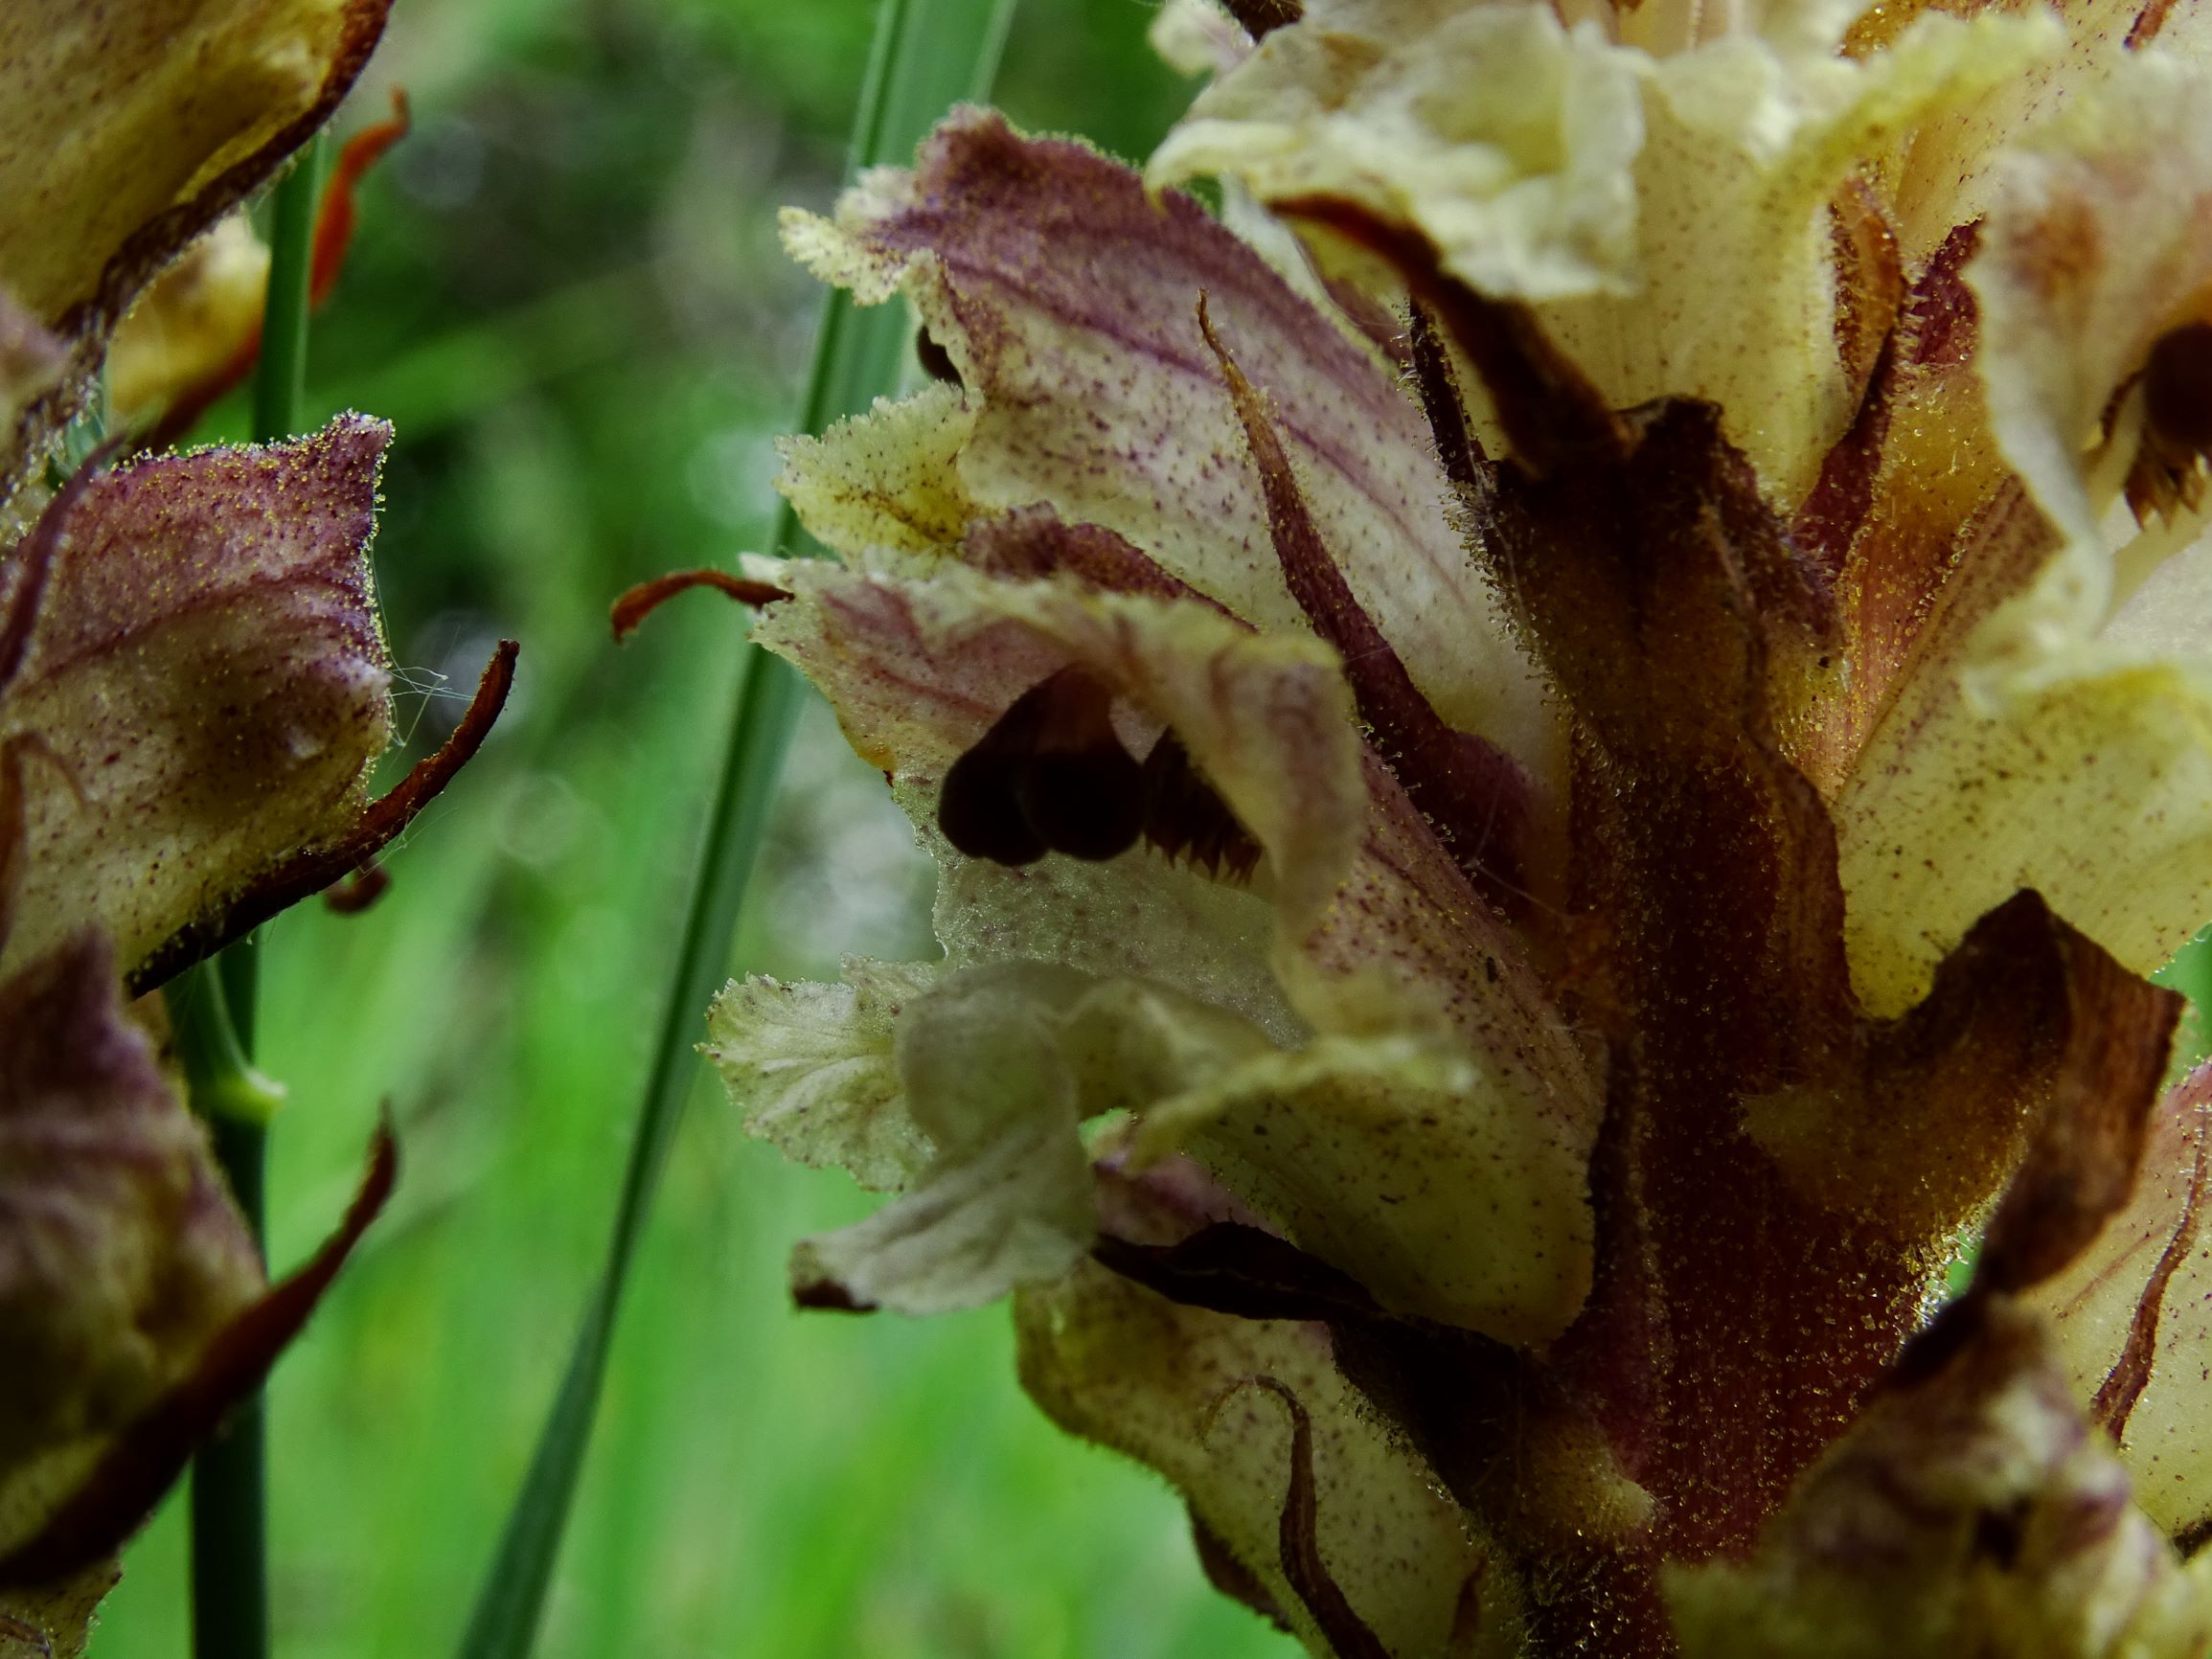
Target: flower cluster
pixel 1556 747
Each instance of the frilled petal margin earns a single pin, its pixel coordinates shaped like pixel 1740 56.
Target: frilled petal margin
pixel 810 1066
pixel 1065 296
pixel 131 1293
pixel 125 133
pixel 1666 215
pixel 917 671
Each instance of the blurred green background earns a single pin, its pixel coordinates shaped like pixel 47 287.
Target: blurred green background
pixel 567 296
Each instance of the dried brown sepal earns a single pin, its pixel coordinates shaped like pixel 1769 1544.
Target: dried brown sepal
pixel 638 602
pixel 1473 794
pixel 2015 1007
pixel 1869 280
pixel 1348 1635
pixel 1185 816
pixel 1924 528
pixel 358 891
pixel 1437 382
pixel 318 869
pixel 1942 320
pixel 1835 509
pixel 121 1490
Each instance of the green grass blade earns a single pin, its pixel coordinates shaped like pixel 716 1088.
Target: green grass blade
pixel 926 58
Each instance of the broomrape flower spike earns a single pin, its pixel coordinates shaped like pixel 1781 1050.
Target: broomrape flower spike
pixel 1555 753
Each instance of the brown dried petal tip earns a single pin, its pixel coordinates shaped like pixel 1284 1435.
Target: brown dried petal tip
pixel 1050 776
pixel 2177 423
pixel 634 605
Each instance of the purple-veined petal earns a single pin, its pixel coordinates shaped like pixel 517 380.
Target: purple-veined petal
pixel 1066 297
pixel 202 687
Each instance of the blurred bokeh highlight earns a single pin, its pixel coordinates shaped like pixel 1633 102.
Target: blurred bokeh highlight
pixel 567 295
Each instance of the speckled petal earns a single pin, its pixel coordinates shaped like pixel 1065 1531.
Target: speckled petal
pixel 1067 298
pixel 810 1067
pixel 204 687
pixel 1374 933
pixel 1170 1386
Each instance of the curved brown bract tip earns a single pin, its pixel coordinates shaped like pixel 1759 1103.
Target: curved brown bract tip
pixel 2111 1035
pixel 123 1487
pixel 1348 1635
pixel 2082 1158
pixel 1473 794
pixel 637 604
pixel 338 216
pixel 311 872
pixel 2130 1373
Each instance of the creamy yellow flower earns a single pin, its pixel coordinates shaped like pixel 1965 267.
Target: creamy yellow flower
pixel 1560 846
